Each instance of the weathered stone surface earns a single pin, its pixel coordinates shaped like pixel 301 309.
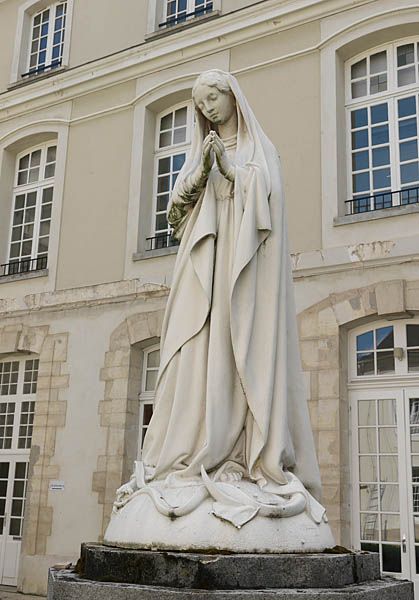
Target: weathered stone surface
pixel 64 585
pixel 227 571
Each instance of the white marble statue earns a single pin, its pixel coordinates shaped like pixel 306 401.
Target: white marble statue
pixel 230 442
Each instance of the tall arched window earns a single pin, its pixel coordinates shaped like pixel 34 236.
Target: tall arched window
pixel 382 89
pixel 173 137
pixel 18 383
pixel 384 405
pixel 31 214
pixel 47 38
pixel 151 362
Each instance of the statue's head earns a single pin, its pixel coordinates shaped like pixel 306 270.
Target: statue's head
pixel 213 97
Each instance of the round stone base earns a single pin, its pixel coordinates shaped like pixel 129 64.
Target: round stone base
pixel 139 525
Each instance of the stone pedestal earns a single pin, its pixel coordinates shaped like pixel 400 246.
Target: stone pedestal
pixel 106 573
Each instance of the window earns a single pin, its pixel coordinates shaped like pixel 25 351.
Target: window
pixel 47 39
pixel 31 213
pixel 18 383
pixel 178 11
pixel 172 141
pixel 148 385
pixel 382 110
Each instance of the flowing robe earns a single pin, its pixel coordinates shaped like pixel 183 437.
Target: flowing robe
pixel 230 386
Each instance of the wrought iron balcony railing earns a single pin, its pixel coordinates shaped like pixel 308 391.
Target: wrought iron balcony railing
pixel 382 200
pixel 43 68
pixel 26 265
pixel 164 240
pixel 198 12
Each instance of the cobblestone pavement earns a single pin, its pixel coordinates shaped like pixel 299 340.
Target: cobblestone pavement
pixel 11 594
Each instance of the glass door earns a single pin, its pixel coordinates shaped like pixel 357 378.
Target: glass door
pixel 379 478
pixel 13 481
pixel 411 540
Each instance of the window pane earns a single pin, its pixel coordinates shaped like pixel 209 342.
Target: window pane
pixel 365 363
pixel 407 128
pixel 369 526
pixel 380 156
pixel 165 139
pixel 366 412
pixel 407 106
pixel 409 173
pixel 166 122
pixel 359 89
pixel 392 560
pixel 387 412
pixel 406 76
pixel 360 139
pixel 153 359
pixel 151 380
pixel 162 202
pixel 360 160
pixel 368 469
pixel 368 497
pixel 381 178
pixel 164 165
pixel 412 335
pixel 378 83
pixel 365 341
pixel 379 113
pixel 163 184
pixel 385 362
pixel 380 135
pixel 385 337
pixel 408 150
pixel 367 440
pixel 413 360
pixel 361 182
pixel 178 160
pixel 390 528
pixel 390 498
pixel 359 69
pixel 389 471
pixel 388 440
pixel 180 117
pixel 405 55
pixel 179 135
pixel 378 62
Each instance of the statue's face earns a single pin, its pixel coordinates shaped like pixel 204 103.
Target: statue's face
pixel 218 107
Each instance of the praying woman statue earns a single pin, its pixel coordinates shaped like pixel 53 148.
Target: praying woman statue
pixel 228 459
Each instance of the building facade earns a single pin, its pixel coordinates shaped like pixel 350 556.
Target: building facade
pixel 95 123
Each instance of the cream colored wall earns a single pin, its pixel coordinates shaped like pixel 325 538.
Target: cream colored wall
pixel 102 27
pixel 8 23
pixel 93 231
pixel 285 97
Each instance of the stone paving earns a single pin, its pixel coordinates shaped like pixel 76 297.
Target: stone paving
pixel 11 594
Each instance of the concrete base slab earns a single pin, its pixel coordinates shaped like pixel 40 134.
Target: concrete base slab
pixel 64 585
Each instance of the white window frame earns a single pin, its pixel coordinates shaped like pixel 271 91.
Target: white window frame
pixel 48 65
pixel 37 187
pixel 26 12
pixel 191 7
pixel 145 397
pixel 400 342
pixel 390 96
pixel 18 399
pixel 168 151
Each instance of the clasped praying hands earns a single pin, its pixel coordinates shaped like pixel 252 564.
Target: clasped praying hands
pixel 214 147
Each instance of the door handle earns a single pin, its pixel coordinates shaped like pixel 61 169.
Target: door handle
pixel 404 544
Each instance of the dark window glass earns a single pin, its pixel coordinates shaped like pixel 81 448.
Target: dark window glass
pixel 392 558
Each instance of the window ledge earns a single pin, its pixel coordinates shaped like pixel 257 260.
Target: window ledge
pixel 36 77
pixel 163 32
pixel 28 275
pixel 396 211
pixel 154 253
